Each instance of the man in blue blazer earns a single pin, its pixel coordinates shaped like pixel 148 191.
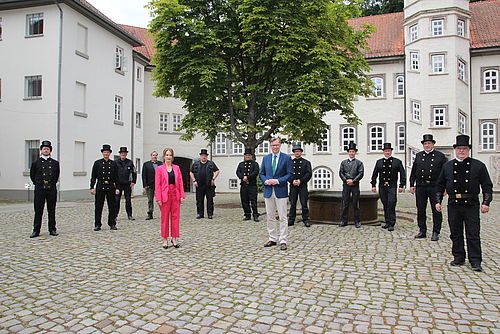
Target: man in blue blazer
pixel 276 170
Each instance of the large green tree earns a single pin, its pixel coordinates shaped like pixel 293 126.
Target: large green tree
pixel 245 67
pixel 376 7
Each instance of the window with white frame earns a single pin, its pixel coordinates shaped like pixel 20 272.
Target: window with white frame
pixel 32 152
pixel 118 108
pixel 324 146
pixel 490 80
pixel 237 147
pixel 462 123
pixel 348 136
pixel 138 120
pixel 413 32
pixel 461 70
pixel 81 39
pixel 233 183
pixel 138 73
pixel 322 178
pixel 400 137
pixel 414 61
pixel 81 97
pixel 437 27
pixel 79 156
pixel 376 134
pixel 220 143
pixel 400 86
pixel 163 122
pixel 33 87
pixel 176 121
pixel 488 135
pixel 412 154
pixel 378 86
pixel 461 28
pixel 119 59
pixel 415 111
pixel 263 147
pixel 34 24
pixel 439 116
pixel 437 63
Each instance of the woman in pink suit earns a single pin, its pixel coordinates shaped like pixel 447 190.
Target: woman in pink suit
pixel 169 191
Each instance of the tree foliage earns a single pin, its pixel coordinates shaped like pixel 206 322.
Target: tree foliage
pixel 243 67
pixel 376 7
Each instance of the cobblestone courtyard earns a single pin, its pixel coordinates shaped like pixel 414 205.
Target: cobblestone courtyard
pixel 221 280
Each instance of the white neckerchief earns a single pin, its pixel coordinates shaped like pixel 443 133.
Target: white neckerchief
pixel 429 151
pixel 351 159
pixel 45 157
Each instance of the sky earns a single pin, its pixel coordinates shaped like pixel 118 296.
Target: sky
pixel 129 12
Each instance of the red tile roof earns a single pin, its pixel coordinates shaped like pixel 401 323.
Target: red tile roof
pixel 388 40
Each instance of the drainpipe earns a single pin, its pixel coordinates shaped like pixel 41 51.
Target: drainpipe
pixel 470 105
pixel 59 75
pixel 132 118
pixel 404 109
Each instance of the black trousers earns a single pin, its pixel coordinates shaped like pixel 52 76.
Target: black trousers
pixel 350 194
pixel 42 196
pixel 124 188
pixel 151 200
pixel 100 195
pixel 424 194
pixel 389 198
pixel 468 216
pixel 248 196
pixel 203 191
pixel 296 193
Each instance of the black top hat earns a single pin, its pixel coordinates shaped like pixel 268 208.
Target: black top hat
pixel 106 147
pixel 123 149
pixel 462 140
pixel 387 146
pixel 248 151
pixel 428 137
pixel 46 143
pixel 352 146
pixel 203 151
pixel 297 147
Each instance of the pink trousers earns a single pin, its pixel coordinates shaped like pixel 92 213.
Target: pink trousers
pixel 170 214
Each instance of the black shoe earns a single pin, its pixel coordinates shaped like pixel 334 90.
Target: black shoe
pixel 131 218
pixel 247 218
pixel 210 217
pixel 357 224
pixel 385 225
pixel 113 227
pixel 435 236
pixel 291 222
pixel 307 223
pixel 270 243
pixel 97 228
pixel 34 235
pixel 150 217
pixel 199 216
pixel 343 224
pixel 420 235
pixel 53 233
pixel 390 228
pixel 283 246
pixel 456 263
pixel 476 267
pixel 255 218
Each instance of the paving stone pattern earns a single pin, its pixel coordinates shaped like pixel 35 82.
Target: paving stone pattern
pixel 221 280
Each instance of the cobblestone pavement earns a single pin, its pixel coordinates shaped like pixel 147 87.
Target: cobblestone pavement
pixel 221 280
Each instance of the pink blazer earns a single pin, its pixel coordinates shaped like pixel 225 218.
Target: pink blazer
pixel 161 183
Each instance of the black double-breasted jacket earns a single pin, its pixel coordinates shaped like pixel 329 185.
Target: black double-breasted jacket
pixel 250 169
pixel 387 171
pixel 104 173
pixel 426 168
pixel 44 173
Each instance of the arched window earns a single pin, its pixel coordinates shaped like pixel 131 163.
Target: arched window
pixel 400 85
pixel 488 134
pixel 378 89
pixel 348 136
pixel 322 178
pixel 376 138
pixel 490 81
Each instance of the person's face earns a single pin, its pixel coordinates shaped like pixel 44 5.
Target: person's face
pixel 297 153
pixel 154 157
pixel 45 151
pixel 203 157
pixel 428 146
pixel 462 152
pixel 352 153
pixel 247 157
pixel 105 154
pixel 387 153
pixel 123 155
pixel 168 157
pixel 276 146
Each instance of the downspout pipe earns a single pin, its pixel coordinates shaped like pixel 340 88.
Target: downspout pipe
pixel 59 85
pixel 132 118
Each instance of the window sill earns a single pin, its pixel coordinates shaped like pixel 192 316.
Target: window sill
pixel 440 127
pixel 33 36
pixel 137 127
pixel 399 97
pixel 375 152
pixel 118 122
pixel 488 151
pixel 80 114
pixel 414 71
pixel 463 81
pixel 79 173
pixel 490 92
pixel 82 54
pixel 437 74
pixel 32 98
pixel 416 122
pixel 169 133
pixel 26 173
pixel 322 153
pixel 376 98
pixel 119 71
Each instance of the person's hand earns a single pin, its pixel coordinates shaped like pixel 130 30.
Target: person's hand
pixel 92 191
pixel 195 183
pixel 413 189
pixel 445 193
pixel 146 187
pixel 400 190
pixel 349 182
pixel 438 207
pixel 245 179
pixel 374 190
pixel 485 208
pixel 182 200
pixel 117 191
pixel 212 183
pixel 132 185
pixel 296 182
pixel 158 202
